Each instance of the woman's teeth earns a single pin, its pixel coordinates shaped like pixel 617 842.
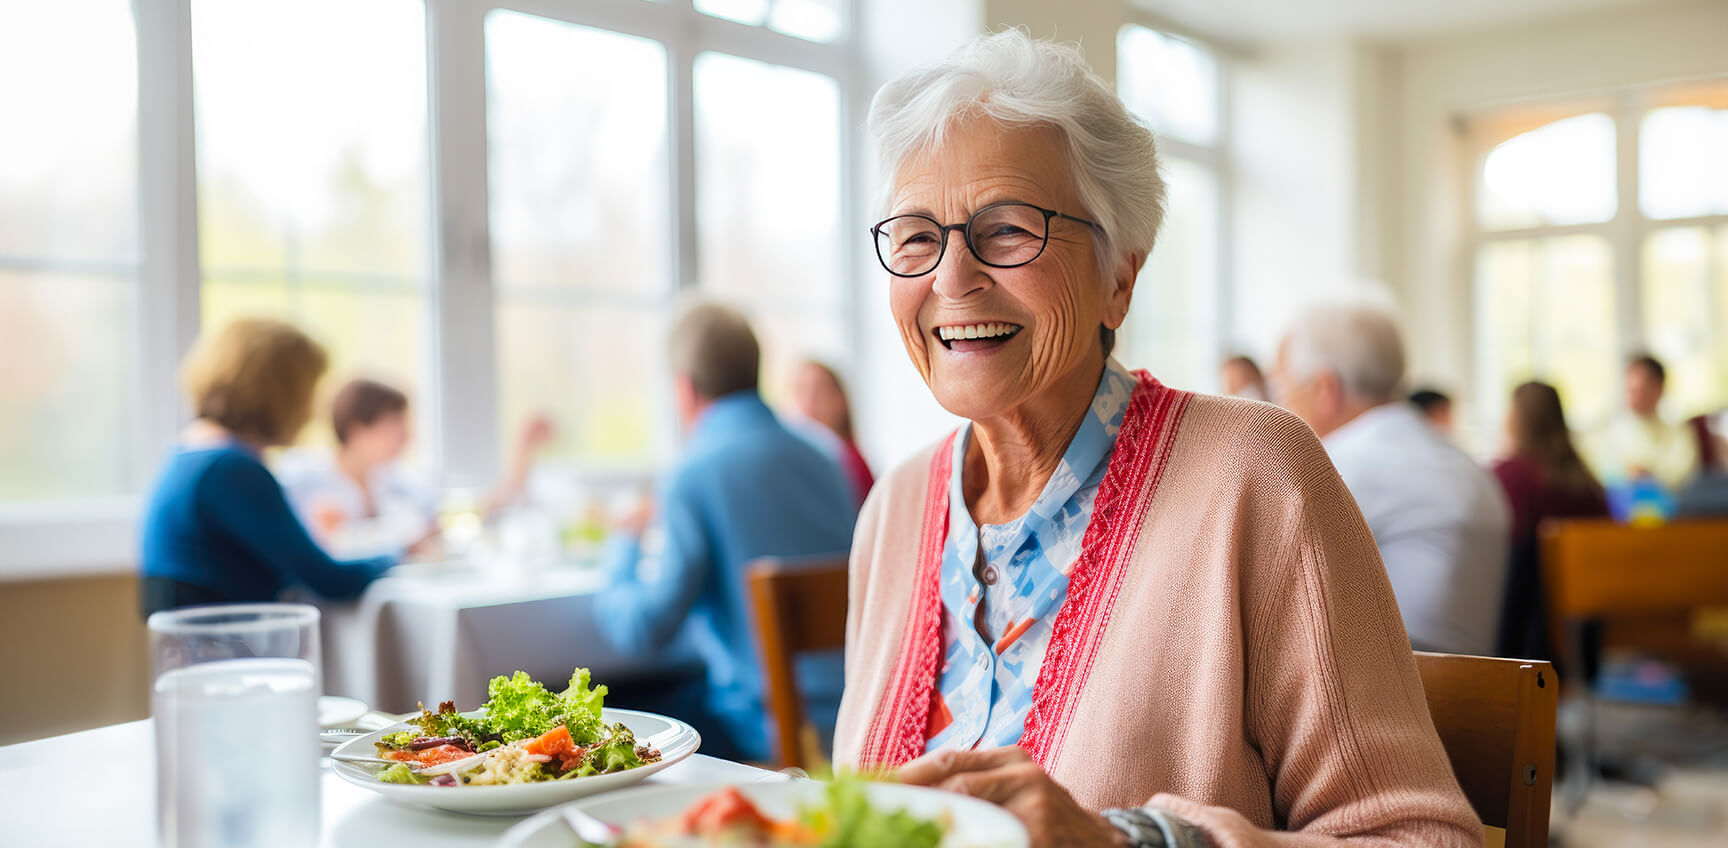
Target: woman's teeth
pixel 976 331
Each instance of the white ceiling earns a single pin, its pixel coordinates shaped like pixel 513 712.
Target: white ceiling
pixel 1267 21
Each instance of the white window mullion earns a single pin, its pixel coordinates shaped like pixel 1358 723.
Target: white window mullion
pixel 169 276
pixel 1626 226
pixel 463 355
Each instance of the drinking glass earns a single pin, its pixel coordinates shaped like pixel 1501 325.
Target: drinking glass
pixel 235 705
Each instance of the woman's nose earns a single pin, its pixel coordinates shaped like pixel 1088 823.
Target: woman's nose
pixel 959 274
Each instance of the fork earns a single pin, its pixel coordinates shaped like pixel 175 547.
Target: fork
pixel 589 829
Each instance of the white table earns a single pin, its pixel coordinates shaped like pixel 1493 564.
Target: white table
pixel 53 792
pixel 439 631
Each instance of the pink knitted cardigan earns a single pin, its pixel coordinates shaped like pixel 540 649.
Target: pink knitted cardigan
pixel 1229 649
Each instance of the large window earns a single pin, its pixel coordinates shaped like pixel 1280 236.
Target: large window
pixel 1175 86
pixel 69 251
pixel 312 176
pixel 495 210
pixel 1603 229
pixel 768 205
pixel 581 229
pixel 595 237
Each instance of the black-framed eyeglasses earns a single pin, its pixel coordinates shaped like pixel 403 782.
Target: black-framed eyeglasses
pixel 1002 235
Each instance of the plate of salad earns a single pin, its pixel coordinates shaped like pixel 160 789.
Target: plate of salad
pixel 525 749
pixel 846 813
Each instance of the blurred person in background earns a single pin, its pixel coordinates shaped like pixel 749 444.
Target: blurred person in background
pixel 358 500
pixel 1241 377
pixel 1543 477
pixel 1435 406
pixel 1637 442
pixel 1441 521
pixel 217 527
pixel 745 487
pixel 1128 614
pixel 819 398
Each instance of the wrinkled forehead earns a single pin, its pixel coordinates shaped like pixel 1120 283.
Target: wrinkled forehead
pixel 975 161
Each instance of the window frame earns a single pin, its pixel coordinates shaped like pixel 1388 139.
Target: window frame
pixel 1626 233
pixel 1218 160
pixel 460 428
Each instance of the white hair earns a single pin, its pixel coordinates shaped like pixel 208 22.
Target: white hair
pixel 1359 344
pixel 1016 81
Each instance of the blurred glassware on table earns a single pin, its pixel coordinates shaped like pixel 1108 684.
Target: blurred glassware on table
pixel 232 679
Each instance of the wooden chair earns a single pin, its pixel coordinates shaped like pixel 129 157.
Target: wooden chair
pixel 800 605
pixel 1603 571
pixel 1496 718
pixel 1597 569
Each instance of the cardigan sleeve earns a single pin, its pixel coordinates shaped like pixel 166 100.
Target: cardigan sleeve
pixel 1334 702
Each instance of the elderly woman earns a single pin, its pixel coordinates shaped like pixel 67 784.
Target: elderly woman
pixel 218 528
pixel 1129 614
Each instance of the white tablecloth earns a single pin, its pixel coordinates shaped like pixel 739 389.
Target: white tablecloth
pixel 437 632
pixel 98 788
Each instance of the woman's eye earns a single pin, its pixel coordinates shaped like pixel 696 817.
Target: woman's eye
pixel 1006 231
pixel 918 239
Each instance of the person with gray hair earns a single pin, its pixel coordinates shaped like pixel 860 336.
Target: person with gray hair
pixel 746 487
pixel 1441 521
pixel 1126 613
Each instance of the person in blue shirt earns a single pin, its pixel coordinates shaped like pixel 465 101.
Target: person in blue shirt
pixel 217 527
pixel 746 487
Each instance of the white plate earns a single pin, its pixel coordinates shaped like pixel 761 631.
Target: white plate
pixel 972 823
pixel 337 711
pixel 675 739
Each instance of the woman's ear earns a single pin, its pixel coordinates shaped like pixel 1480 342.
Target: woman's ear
pixel 1121 292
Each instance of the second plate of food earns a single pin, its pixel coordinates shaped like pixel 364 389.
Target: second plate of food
pixel 789 814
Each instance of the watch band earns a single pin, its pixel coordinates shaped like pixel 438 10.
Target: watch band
pixel 1150 827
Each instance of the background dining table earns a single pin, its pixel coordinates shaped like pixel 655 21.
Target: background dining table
pixel 98 788
pixel 436 631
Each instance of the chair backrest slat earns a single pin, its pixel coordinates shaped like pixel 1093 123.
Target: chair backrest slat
pixel 800 605
pixel 1496 719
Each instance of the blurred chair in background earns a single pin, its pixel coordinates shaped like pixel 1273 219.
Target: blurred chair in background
pixel 746 488
pixel 1440 520
pixel 800 607
pixel 1600 571
pixel 217 527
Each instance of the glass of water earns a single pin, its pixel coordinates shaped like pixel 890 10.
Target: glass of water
pixel 235 705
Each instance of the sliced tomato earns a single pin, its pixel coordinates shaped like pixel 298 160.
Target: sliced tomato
pixel 725 811
pixel 430 756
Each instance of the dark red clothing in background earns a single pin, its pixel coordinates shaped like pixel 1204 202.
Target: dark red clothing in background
pixel 1524 619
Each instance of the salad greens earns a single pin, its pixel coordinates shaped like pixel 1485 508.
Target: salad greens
pixel 534 734
pixel 850 820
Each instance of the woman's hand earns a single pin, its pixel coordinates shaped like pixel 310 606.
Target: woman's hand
pixel 1008 777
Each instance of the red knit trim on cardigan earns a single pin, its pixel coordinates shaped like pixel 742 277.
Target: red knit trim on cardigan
pixel 897 731
pixel 1142 448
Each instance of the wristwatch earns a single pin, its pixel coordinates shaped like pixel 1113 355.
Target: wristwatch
pixel 1149 827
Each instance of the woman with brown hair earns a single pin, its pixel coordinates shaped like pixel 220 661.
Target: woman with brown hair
pixel 217 528
pixel 1544 477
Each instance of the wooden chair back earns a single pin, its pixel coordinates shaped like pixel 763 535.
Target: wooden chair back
pixel 800 605
pixel 1496 718
pixel 1598 569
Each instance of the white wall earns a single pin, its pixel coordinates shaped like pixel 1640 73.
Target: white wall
pixel 1420 239
pixel 1297 186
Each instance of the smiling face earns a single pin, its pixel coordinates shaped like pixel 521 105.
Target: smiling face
pixel 989 341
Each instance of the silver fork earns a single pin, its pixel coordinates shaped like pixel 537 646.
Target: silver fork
pixel 589 829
